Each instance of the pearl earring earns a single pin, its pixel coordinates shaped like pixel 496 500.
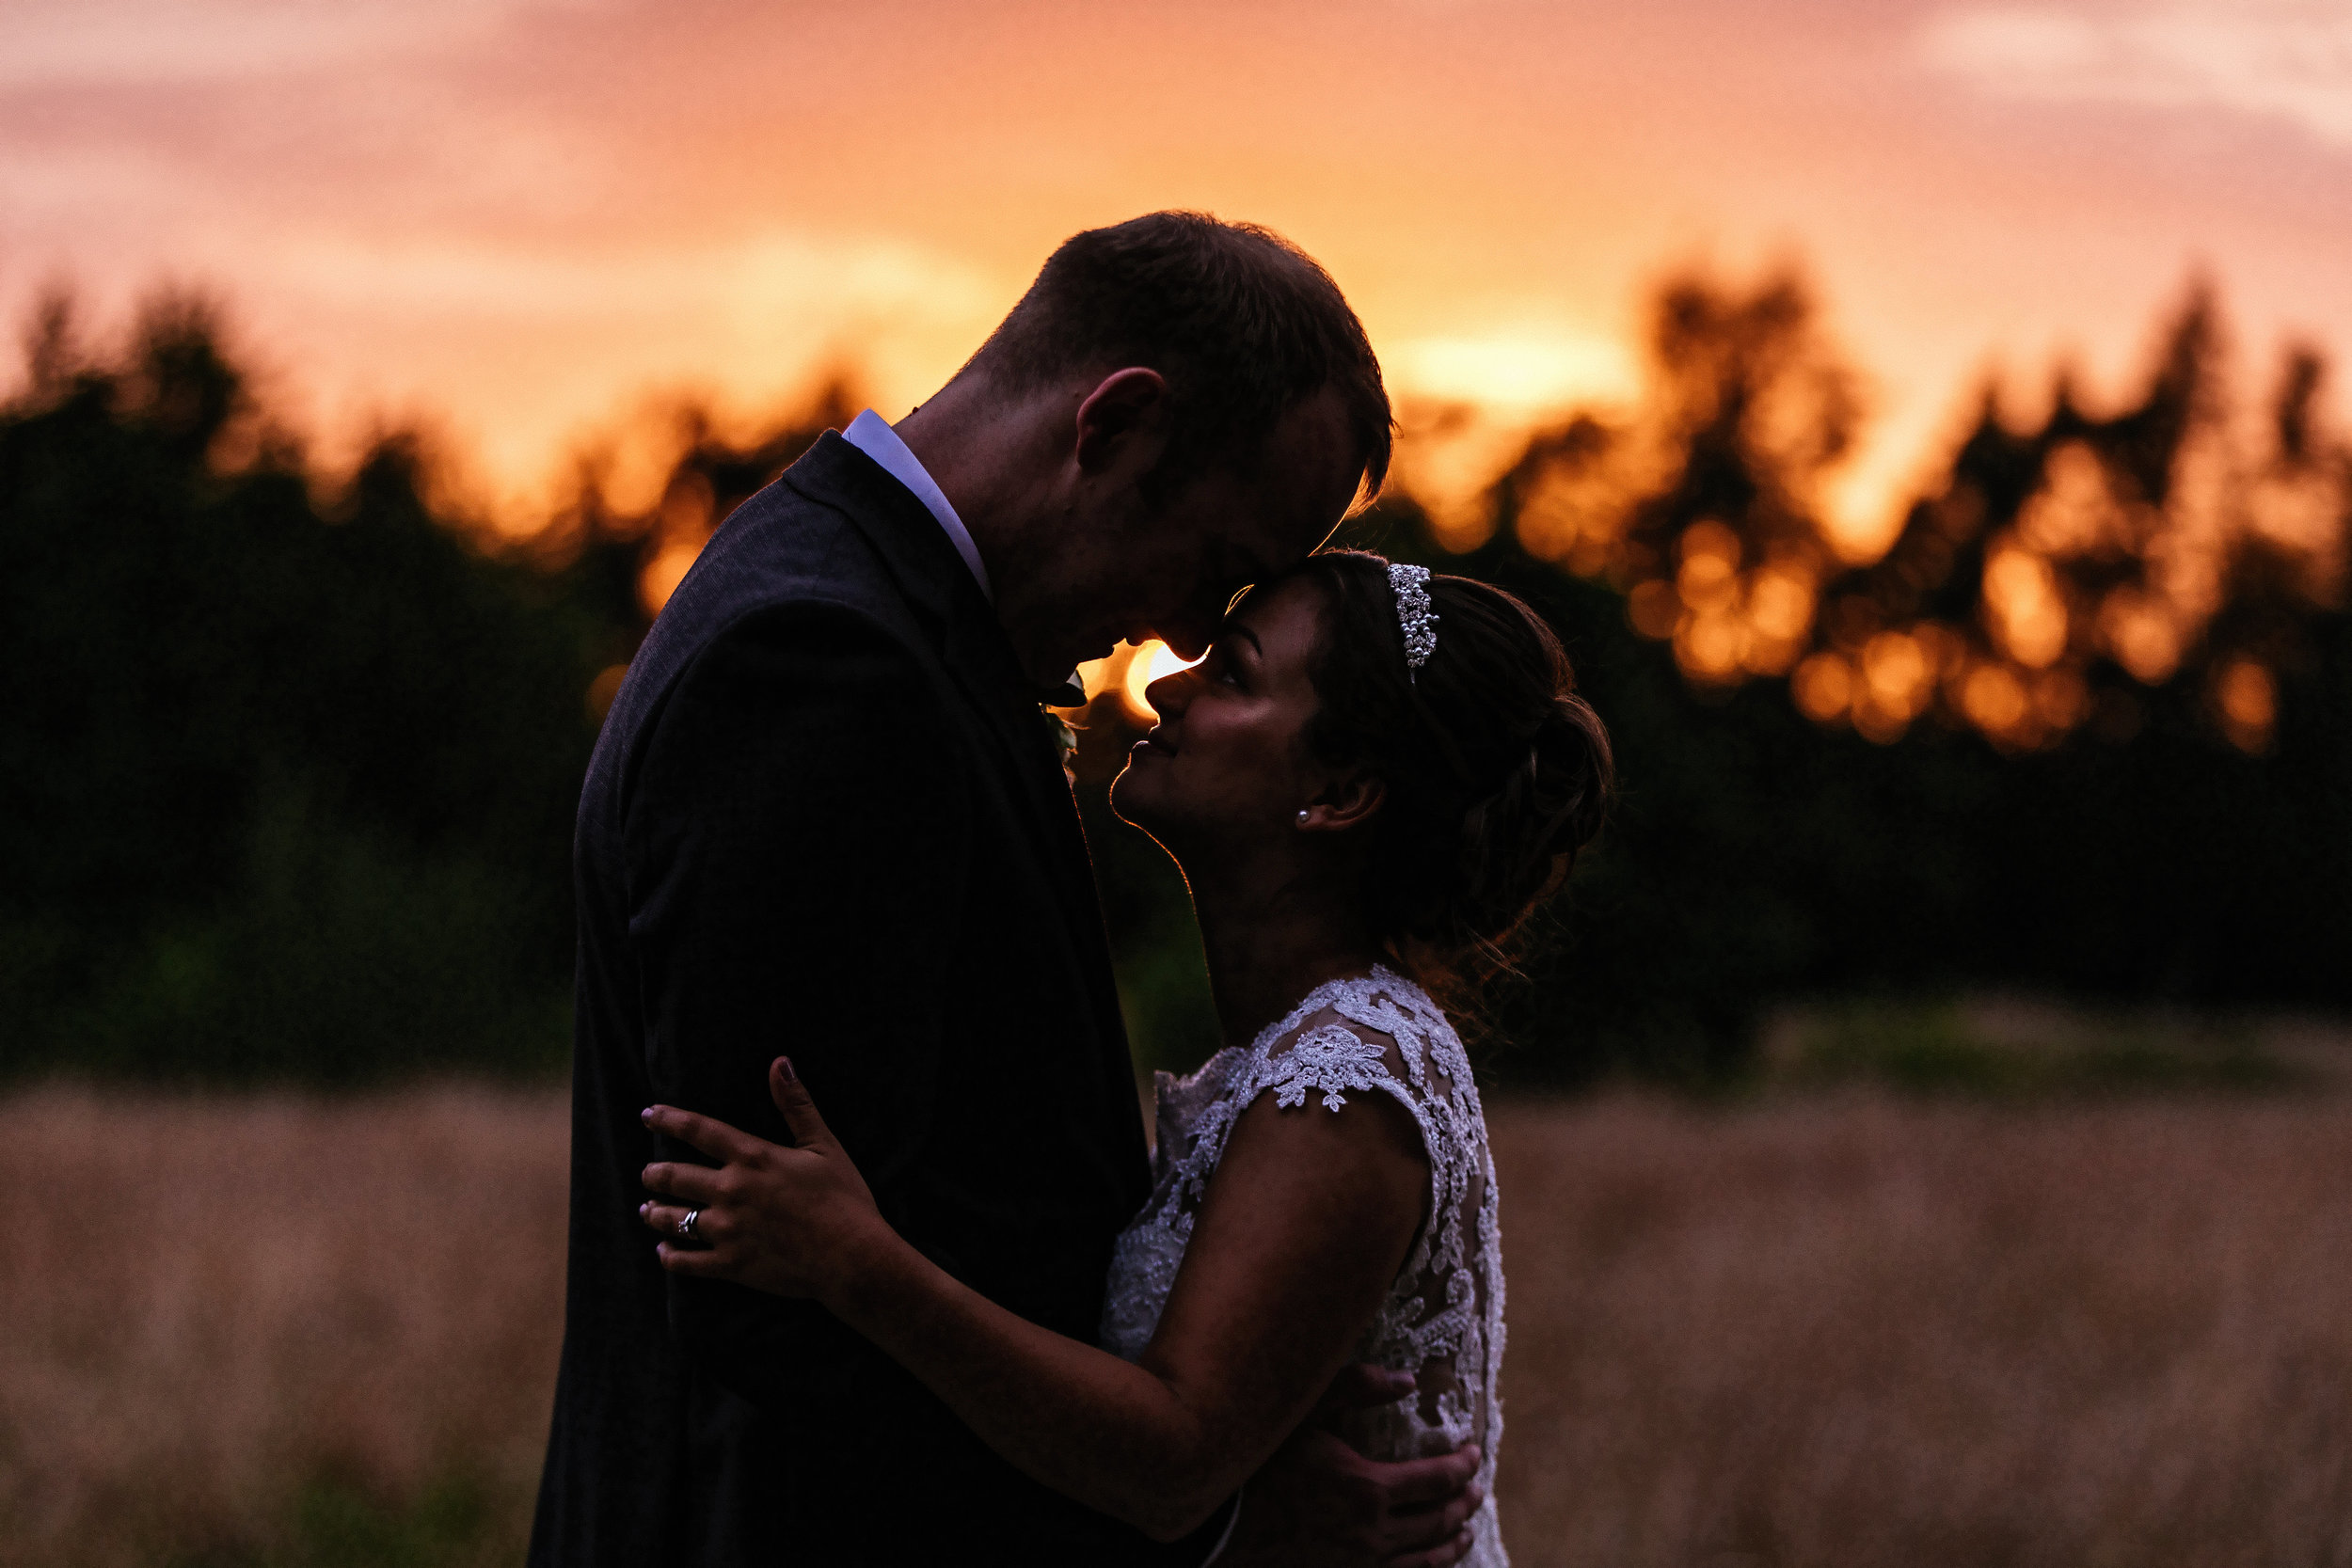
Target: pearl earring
pixel 1302 816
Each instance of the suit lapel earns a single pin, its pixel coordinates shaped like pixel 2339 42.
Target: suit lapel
pixel 1003 697
pixel 972 645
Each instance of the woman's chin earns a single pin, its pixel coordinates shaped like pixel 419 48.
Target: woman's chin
pixel 1138 796
pixel 1124 796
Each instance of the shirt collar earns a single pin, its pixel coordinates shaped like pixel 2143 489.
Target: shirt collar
pixel 871 434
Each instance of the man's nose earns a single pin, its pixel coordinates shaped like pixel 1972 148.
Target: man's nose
pixel 1193 628
pixel 1189 642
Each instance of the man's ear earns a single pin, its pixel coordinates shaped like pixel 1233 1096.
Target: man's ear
pixel 1123 420
pixel 1348 802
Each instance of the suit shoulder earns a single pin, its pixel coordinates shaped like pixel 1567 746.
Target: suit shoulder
pixel 813 631
pixel 811 647
pixel 780 545
pixel 830 624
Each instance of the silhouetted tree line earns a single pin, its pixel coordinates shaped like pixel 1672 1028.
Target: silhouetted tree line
pixel 287 771
pixel 2086 727
pixel 290 773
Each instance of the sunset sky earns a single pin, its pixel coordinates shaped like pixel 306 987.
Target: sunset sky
pixel 521 219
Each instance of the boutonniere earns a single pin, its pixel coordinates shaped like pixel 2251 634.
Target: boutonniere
pixel 1069 697
pixel 1065 740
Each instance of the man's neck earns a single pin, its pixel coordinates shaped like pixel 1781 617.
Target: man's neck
pixel 970 442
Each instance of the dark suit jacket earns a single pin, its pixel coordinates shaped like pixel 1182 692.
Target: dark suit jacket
pixel 825 818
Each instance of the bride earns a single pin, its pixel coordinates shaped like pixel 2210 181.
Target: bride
pixel 1369 781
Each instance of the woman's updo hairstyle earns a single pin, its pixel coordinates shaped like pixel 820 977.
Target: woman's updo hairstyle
pixel 1497 773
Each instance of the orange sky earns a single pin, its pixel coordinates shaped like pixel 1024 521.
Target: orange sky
pixel 521 218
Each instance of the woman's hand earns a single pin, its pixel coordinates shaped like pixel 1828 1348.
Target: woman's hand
pixel 792 1222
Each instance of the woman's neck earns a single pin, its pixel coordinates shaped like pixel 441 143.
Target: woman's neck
pixel 1272 936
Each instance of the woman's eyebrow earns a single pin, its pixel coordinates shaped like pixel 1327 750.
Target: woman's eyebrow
pixel 1234 628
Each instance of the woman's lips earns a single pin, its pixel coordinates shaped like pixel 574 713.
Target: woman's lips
pixel 1150 745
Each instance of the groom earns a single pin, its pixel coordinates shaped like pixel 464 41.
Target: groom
pixel 826 817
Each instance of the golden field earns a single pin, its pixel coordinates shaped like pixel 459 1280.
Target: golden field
pixel 1831 1330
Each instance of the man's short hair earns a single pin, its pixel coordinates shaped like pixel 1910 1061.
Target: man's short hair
pixel 1243 323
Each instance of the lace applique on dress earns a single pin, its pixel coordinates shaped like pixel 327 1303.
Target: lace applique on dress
pixel 1442 1319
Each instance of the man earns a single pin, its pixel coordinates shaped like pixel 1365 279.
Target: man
pixel 825 818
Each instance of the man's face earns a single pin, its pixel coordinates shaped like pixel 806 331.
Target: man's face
pixel 1126 569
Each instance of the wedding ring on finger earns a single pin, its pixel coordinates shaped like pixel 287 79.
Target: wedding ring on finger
pixel 686 1225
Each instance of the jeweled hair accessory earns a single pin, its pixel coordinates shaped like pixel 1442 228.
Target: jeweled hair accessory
pixel 1411 586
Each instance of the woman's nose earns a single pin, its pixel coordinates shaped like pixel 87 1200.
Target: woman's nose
pixel 1171 693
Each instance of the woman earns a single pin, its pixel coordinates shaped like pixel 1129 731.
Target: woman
pixel 1368 782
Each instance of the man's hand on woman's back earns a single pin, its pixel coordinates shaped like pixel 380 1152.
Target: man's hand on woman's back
pixel 1318 1503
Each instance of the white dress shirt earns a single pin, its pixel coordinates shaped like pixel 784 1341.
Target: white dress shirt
pixel 871 434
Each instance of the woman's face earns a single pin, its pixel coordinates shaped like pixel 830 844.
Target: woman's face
pixel 1228 763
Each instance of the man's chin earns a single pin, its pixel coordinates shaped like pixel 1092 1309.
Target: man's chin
pixel 1047 663
pixel 1054 668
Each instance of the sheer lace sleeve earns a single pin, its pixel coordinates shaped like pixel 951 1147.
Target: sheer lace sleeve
pixel 1442 1319
pixel 1329 1061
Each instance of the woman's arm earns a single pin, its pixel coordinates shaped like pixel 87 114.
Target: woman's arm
pixel 1298 1238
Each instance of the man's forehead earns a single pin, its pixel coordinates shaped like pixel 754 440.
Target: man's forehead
pixel 1307 481
pixel 1259 519
pixel 1264 539
pixel 1315 442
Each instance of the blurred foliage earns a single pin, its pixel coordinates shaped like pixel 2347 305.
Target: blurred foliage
pixel 2076 573
pixel 285 779
pixel 457 1520
pixel 1939 1049
pixel 2107 823
pixel 290 774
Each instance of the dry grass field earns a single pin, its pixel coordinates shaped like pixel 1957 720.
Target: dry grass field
pixel 1811 1331
pixel 1858 1332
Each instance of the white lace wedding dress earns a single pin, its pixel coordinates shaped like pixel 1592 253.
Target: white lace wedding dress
pixel 1442 1320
